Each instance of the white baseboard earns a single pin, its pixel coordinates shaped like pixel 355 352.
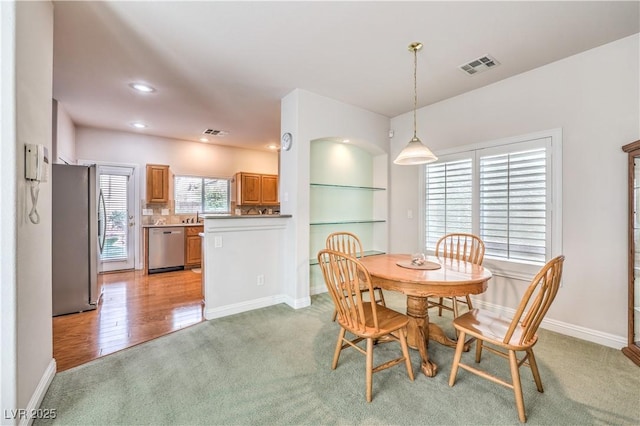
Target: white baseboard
pixel 249 305
pixel 236 308
pixel 38 394
pixel 298 303
pixel 594 336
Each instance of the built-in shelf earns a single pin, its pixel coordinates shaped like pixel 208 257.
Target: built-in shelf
pixel 365 254
pixel 342 222
pixel 326 185
pixel 347 193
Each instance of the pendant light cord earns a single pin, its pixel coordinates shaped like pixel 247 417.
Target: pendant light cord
pixel 415 89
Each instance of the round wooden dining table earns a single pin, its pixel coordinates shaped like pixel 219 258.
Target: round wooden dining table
pixel 451 278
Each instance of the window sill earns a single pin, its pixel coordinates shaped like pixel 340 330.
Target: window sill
pixel 522 271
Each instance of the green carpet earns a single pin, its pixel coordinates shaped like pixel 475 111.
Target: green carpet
pixel 272 367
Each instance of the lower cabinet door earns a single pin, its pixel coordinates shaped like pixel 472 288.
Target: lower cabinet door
pixel 193 254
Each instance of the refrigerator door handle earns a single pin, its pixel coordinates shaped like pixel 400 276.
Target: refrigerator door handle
pixel 102 221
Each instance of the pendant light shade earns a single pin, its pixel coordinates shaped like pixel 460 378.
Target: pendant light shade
pixel 415 152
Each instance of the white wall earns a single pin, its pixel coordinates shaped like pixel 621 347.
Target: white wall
pixel 308 117
pixel 33 85
pixel 184 157
pixel 233 284
pixel 64 136
pixel 8 174
pixel 594 98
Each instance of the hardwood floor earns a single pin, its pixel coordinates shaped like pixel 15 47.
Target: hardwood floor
pixel 134 308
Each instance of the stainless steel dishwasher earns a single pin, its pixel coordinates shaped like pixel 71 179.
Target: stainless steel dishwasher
pixel 166 249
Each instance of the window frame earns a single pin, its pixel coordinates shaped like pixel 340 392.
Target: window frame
pixel 202 197
pixel 515 269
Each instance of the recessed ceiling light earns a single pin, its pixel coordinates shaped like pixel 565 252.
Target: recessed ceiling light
pixel 204 140
pixel 272 146
pixel 141 87
pixel 345 141
pixel 139 125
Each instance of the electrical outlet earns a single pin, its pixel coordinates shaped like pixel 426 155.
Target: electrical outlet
pixel 217 241
pixel 147 212
pixel 165 212
pixel 260 280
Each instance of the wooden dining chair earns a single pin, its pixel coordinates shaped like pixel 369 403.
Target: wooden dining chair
pixel 511 335
pixel 345 276
pixel 458 246
pixel 349 243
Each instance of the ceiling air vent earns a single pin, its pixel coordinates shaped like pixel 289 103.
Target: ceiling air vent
pixel 479 65
pixel 213 132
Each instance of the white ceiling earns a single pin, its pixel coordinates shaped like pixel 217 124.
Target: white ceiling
pixel 226 65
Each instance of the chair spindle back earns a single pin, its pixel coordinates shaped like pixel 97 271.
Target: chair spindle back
pixel 536 301
pixel 345 242
pixel 346 279
pixel 460 246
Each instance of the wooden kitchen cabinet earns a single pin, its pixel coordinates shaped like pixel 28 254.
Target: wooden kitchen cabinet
pixel 256 189
pixel 157 183
pixel 269 191
pixel 192 247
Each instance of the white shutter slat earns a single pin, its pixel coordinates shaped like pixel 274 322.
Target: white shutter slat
pixel 188 194
pixel 513 205
pixel 448 199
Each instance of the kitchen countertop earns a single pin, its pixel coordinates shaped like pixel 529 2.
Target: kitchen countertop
pixel 220 216
pixel 172 225
pixel 244 216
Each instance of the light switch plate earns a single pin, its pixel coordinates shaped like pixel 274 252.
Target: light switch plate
pixel 165 212
pixel 147 212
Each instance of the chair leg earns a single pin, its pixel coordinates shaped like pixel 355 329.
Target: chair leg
pixel 469 304
pixel 381 294
pixel 402 334
pixel 336 354
pixel 478 350
pixel 517 386
pixel 369 367
pixel 440 302
pixel 454 304
pixel 534 370
pixel 456 358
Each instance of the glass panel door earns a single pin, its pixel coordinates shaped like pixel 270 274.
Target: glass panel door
pixel 116 189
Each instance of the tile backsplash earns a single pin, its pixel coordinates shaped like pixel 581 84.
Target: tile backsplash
pixel 165 213
pixel 155 213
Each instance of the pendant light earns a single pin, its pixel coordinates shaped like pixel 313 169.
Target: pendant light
pixel 415 152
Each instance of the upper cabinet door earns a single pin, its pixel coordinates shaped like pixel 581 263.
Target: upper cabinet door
pixel 255 189
pixel 250 188
pixel 269 189
pixel 157 183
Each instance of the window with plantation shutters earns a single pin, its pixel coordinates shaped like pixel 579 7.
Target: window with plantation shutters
pixel 194 194
pixel 513 205
pixel 507 192
pixel 449 199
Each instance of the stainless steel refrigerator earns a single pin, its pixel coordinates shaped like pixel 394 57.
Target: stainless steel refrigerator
pixel 75 243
